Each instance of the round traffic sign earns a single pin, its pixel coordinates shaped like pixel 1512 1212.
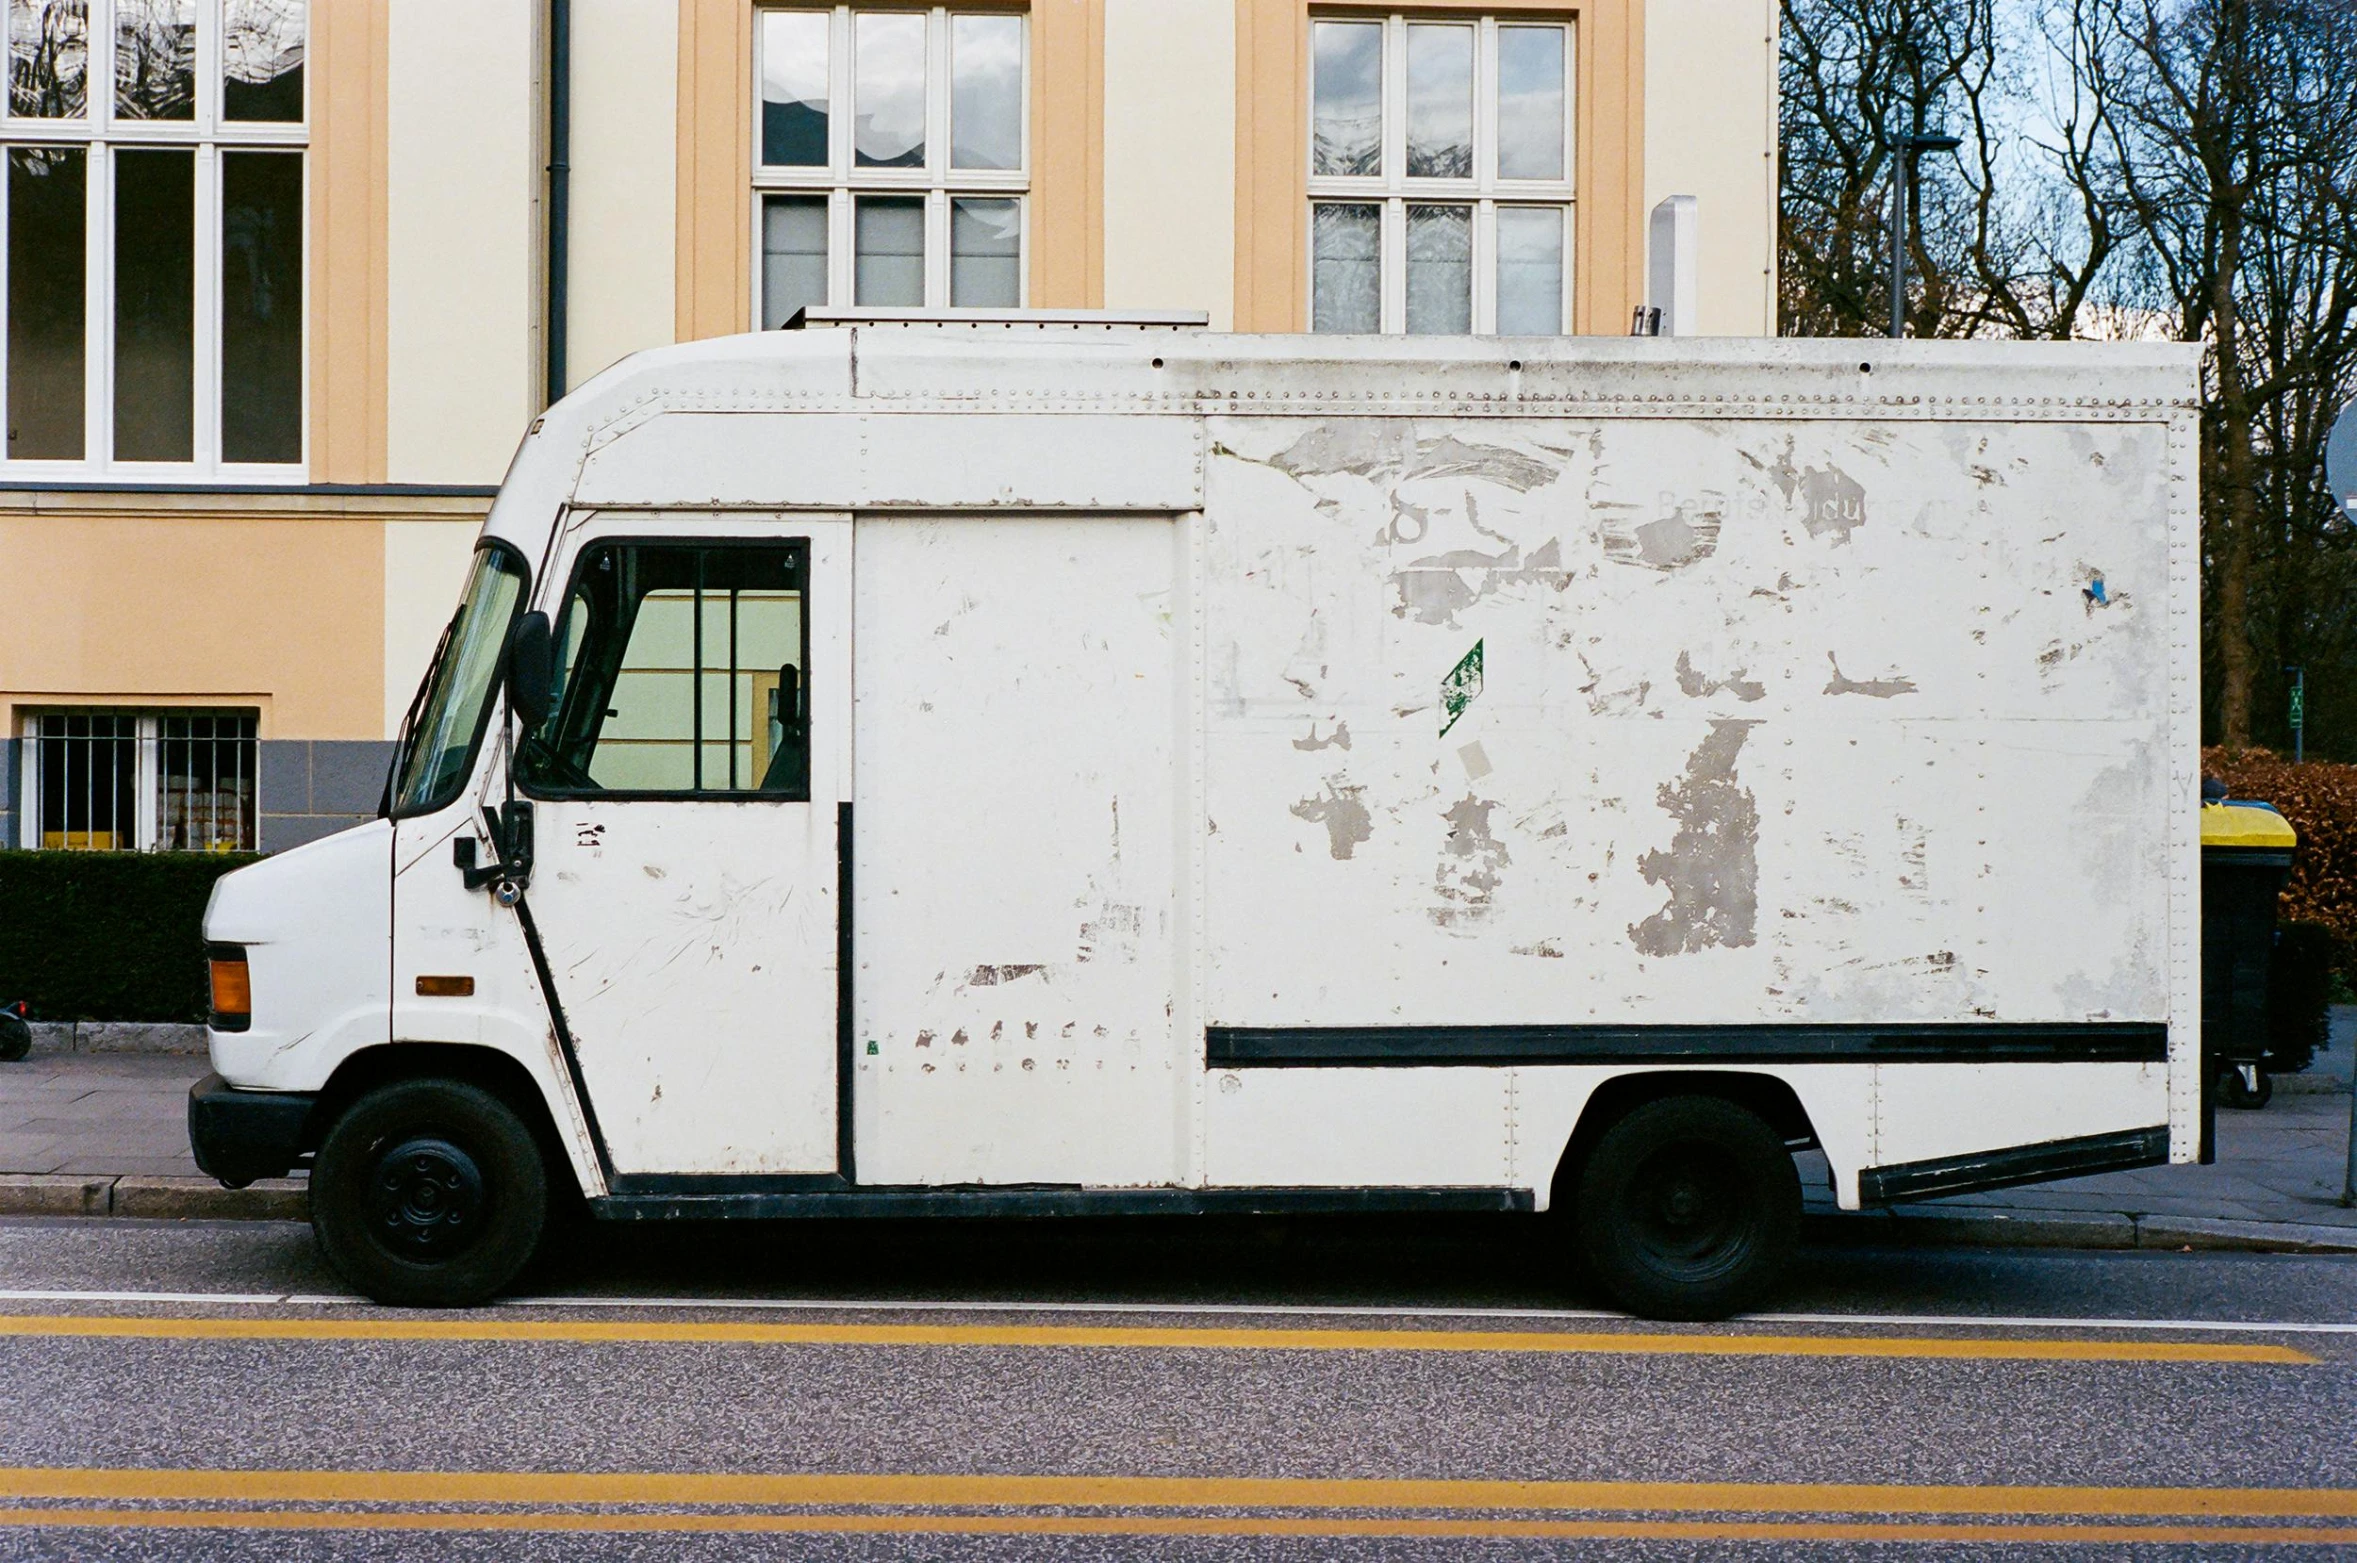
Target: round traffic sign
pixel 2340 461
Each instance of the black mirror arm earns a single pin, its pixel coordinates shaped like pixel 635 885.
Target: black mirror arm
pixel 510 830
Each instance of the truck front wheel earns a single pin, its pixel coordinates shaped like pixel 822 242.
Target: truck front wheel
pixel 1688 1208
pixel 429 1194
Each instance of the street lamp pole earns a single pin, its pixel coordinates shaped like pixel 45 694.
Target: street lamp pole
pixel 1902 191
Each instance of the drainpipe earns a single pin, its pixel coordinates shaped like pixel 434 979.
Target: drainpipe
pixel 560 136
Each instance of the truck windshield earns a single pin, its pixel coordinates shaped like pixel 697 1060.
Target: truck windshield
pixel 438 741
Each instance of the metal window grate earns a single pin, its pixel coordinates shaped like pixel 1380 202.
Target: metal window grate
pixel 205 790
pixel 89 782
pixel 122 781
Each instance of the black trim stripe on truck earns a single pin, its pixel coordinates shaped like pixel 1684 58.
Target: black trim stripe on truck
pixel 2121 1152
pixel 1264 1047
pixel 564 1035
pixel 846 1043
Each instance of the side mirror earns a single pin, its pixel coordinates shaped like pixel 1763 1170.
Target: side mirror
pixel 531 668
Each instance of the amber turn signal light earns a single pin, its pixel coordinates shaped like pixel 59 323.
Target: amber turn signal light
pixel 445 987
pixel 233 987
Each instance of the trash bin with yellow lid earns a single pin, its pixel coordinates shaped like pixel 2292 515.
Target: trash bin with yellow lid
pixel 2246 856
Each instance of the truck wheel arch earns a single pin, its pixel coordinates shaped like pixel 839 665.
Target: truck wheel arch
pixel 1771 1097
pixel 495 1070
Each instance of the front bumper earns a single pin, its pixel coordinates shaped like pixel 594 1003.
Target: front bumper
pixel 239 1136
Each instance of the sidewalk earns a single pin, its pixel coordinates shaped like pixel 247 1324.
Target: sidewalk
pixel 2276 1185
pixel 86 1133
pixel 96 1134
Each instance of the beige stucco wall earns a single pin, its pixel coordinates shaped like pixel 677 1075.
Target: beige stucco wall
pixel 1710 132
pixel 462 252
pixel 624 182
pixel 1170 156
pixel 150 599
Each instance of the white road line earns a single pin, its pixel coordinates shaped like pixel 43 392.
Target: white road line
pixel 1271 1310
pixel 220 1299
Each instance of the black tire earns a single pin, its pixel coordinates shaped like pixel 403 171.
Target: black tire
pixel 16 1038
pixel 2232 1092
pixel 429 1194
pixel 1688 1208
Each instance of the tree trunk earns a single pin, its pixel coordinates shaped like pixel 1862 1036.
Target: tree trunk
pixel 2238 502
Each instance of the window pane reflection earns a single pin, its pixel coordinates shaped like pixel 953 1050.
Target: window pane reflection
pixel 262 60
pixel 1530 271
pixel 686 676
pixel 48 205
pixel 888 255
pixel 888 90
pixel 793 256
pixel 1346 276
pixel 1440 269
pixel 155 59
pixel 155 306
pixel 49 58
pixel 1530 102
pixel 986 92
pixel 1347 90
pixel 794 88
pixel 1440 102
pixel 985 242
pixel 261 306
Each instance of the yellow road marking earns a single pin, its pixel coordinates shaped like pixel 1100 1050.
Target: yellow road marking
pixel 1182 1525
pixel 604 1331
pixel 833 1489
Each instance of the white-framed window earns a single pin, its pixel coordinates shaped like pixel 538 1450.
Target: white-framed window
pixel 891 158
pixel 1440 174
pixel 151 239
pixel 141 781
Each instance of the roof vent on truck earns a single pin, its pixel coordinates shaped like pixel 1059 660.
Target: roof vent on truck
pixel 814 316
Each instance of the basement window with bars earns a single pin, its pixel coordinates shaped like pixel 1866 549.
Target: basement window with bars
pixel 1440 174
pixel 122 781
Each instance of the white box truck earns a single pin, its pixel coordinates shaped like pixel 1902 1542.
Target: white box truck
pixel 1039 765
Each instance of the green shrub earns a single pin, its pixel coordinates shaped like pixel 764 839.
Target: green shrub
pixel 107 935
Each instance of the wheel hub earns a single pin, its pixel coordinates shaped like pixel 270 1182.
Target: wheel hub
pixel 426 1196
pixel 1689 1209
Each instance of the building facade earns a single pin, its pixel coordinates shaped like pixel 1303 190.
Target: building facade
pixel 286 280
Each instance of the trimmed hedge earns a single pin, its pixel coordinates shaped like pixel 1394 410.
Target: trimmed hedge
pixel 2320 800
pixel 107 935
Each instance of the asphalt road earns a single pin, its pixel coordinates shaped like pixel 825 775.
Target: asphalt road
pixel 1161 1391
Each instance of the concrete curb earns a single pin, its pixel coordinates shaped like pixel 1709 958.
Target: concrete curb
pixel 117 1036
pixel 153 1199
pixel 1916 1225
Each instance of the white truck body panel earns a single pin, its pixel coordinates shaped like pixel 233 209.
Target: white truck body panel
pixel 1022 954
pixel 1827 694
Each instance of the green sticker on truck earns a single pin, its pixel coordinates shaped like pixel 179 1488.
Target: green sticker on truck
pixel 1458 690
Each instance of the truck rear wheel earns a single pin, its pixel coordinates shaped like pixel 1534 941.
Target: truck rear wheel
pixel 1688 1208
pixel 429 1194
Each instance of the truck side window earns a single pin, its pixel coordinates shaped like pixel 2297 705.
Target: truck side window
pixel 682 675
